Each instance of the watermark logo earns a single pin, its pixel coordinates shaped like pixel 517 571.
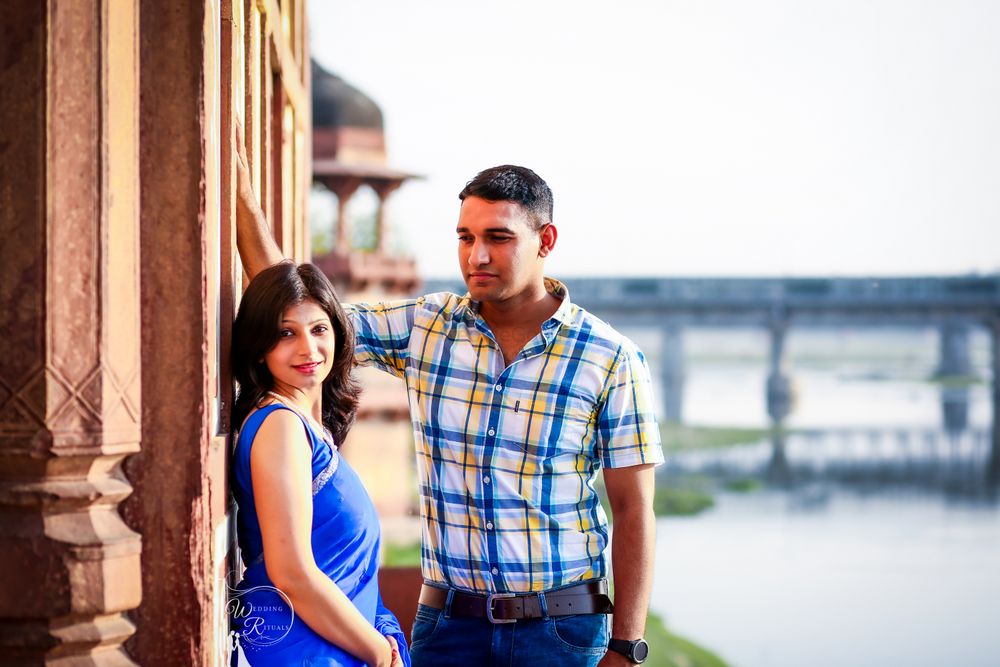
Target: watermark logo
pixel 260 616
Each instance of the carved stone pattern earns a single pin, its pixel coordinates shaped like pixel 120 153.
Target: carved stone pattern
pixel 17 412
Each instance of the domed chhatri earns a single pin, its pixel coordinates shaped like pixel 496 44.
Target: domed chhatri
pixel 336 103
pixel 348 152
pixel 347 124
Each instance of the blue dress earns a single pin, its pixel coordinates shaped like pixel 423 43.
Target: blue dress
pixel 345 543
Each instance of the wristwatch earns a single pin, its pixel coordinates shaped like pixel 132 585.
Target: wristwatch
pixel 636 650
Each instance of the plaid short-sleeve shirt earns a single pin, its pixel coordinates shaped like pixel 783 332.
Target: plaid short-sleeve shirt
pixel 507 456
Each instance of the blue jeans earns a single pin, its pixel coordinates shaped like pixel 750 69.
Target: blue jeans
pixel 441 640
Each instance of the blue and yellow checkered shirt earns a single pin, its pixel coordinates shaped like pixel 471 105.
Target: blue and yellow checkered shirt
pixel 507 457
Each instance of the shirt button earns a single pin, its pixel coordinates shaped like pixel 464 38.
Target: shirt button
pixel 492 432
pixel 495 571
pixel 499 387
pixel 486 480
pixel 489 525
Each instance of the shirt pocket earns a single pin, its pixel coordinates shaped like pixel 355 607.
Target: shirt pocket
pixel 546 426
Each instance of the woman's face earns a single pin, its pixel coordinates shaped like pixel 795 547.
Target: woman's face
pixel 303 356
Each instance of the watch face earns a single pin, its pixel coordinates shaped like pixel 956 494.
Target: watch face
pixel 640 651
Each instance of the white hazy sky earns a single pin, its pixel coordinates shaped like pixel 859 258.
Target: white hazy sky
pixel 696 137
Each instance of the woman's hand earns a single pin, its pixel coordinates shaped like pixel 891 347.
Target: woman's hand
pixel 386 654
pixel 397 660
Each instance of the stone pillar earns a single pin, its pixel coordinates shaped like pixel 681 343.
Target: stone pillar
pixel 343 231
pixel 69 318
pixel 180 473
pixel 779 384
pixel 383 189
pixel 672 371
pixel 344 188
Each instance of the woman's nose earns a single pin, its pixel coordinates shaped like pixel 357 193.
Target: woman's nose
pixel 308 346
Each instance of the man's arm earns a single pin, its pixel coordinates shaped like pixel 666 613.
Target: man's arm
pixel 629 446
pixel 253 235
pixel 633 541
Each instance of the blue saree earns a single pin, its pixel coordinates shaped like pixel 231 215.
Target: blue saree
pixel 345 543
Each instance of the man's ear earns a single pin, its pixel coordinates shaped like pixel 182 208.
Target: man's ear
pixel 548 236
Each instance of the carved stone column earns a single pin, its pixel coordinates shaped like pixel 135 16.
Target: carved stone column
pixel 383 188
pixel 69 325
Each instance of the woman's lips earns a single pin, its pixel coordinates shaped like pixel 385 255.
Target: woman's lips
pixel 309 368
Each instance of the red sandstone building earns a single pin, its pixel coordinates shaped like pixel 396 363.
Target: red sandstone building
pixel 118 282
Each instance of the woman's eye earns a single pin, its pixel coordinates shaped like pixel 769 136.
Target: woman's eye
pixel 322 328
pixel 285 333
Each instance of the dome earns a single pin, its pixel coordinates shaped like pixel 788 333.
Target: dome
pixel 336 103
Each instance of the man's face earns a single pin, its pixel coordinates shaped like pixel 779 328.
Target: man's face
pixel 498 249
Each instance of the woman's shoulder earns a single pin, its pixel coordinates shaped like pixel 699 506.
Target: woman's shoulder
pixel 269 422
pixel 277 419
pixel 279 435
pixel 253 421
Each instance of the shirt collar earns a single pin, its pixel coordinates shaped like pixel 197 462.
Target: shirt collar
pixel 558 289
pixel 468 308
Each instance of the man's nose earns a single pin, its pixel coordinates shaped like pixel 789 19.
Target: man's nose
pixel 480 254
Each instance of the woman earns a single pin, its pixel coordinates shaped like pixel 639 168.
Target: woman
pixel 308 531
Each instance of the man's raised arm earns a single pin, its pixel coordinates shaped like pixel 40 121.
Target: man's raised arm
pixel 253 235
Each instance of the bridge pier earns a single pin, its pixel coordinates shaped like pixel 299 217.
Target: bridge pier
pixel 672 371
pixel 779 471
pixel 779 383
pixel 955 359
pixel 993 473
pixel 954 370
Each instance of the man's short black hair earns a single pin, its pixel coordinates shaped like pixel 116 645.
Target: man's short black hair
pixel 511 183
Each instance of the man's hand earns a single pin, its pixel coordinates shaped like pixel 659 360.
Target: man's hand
pixel 253 235
pixel 614 659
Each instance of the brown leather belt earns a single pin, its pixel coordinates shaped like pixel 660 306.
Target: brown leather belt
pixel 589 597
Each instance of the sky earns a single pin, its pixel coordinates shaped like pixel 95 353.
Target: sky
pixel 696 137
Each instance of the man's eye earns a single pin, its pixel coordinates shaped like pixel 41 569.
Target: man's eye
pixel 464 239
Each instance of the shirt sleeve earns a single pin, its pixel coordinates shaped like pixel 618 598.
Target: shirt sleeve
pixel 627 432
pixel 382 333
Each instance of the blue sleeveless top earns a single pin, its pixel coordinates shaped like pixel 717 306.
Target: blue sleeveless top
pixel 345 543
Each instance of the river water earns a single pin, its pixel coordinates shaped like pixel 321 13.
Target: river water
pixel 878 545
pixel 838 578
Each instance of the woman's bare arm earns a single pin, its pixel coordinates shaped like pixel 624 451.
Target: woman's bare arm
pixel 281 473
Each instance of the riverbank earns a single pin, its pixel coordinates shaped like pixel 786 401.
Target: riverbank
pixel 683 437
pixel 666 648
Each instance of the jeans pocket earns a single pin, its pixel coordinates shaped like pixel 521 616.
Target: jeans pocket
pixel 425 624
pixel 586 633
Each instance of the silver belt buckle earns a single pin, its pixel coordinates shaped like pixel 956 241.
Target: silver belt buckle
pixel 489 608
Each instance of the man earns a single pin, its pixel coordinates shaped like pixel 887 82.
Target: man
pixel 518 397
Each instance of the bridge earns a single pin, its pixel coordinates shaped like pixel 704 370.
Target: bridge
pixel 953 304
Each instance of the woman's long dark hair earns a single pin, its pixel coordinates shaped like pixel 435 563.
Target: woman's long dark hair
pixel 258 327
